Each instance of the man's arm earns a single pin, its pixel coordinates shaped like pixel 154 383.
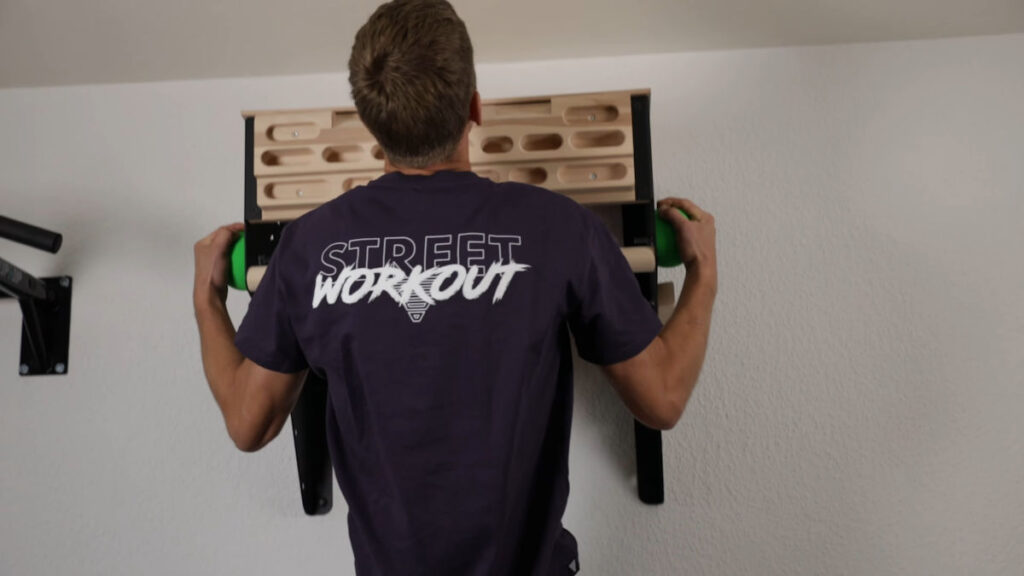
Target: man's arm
pixel 656 384
pixel 254 401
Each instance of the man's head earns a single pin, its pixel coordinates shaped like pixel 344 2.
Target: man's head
pixel 413 81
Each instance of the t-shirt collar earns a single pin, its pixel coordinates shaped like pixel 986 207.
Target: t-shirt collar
pixel 441 176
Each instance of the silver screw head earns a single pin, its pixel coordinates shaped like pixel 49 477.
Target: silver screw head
pixel 60 368
pixel 593 175
pixel 298 192
pixel 295 133
pixel 592 117
pixel 65 281
pixel 23 369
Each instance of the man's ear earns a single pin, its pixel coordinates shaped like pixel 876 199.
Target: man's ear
pixel 475 113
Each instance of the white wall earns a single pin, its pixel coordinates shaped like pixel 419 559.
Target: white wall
pixel 860 411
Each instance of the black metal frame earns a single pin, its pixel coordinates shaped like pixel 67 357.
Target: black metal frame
pixel 309 427
pixel 309 416
pixel 638 230
pixel 45 303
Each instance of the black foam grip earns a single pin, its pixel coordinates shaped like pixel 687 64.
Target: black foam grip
pixel 30 235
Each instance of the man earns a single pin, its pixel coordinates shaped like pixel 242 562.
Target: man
pixel 438 305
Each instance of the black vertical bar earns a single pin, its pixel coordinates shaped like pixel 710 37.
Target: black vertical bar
pixel 252 209
pixel 309 426
pixel 650 473
pixel 309 417
pixel 638 230
pixel 642 164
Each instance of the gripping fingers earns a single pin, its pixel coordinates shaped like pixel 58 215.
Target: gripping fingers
pixel 698 213
pixel 226 234
pixel 673 215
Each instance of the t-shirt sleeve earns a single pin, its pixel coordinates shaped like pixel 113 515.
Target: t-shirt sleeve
pixel 266 335
pixel 609 317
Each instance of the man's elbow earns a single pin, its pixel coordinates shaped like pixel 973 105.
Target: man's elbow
pixel 667 420
pixel 246 426
pixel 246 438
pixel 662 416
pixel 671 411
pixel 247 445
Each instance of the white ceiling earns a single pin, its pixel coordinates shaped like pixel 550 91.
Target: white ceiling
pixel 54 42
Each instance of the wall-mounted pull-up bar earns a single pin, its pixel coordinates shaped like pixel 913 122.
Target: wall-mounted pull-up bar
pixel 45 303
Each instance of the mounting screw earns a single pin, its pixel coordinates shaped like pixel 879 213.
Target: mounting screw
pixel 295 133
pixel 593 175
pixel 60 368
pixel 65 281
pixel 302 486
pixel 23 369
pixel 592 117
pixel 298 192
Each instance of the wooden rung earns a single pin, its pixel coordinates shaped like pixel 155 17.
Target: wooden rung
pixel 536 129
pixel 576 175
pixel 640 258
pixel 288 197
pixel 484 104
pixel 253 277
pixel 290 126
pixel 512 143
pixel 588 181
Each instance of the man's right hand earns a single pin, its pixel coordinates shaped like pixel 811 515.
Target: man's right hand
pixel 212 255
pixel 696 236
pixel 656 384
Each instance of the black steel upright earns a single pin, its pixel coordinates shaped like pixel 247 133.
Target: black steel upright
pixel 309 417
pixel 638 230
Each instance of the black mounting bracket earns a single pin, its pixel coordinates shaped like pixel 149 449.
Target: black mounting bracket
pixel 638 230
pixel 46 319
pixel 45 303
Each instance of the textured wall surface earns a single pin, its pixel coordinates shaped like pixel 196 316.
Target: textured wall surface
pixel 860 411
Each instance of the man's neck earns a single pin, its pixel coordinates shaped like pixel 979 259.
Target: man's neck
pixel 456 166
pixel 459 162
pixel 426 171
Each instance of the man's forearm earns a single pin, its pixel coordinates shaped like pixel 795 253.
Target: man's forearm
pixel 686 333
pixel 221 358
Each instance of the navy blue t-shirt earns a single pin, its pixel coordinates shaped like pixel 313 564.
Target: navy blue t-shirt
pixel 439 309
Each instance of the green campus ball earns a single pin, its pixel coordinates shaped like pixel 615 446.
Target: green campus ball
pixel 666 248
pixel 236 273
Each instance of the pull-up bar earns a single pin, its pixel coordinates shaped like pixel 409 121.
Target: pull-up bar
pixel 45 302
pixel 30 235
